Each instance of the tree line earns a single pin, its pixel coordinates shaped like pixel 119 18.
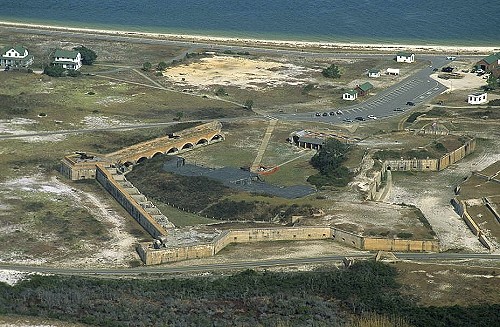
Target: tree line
pixel 322 297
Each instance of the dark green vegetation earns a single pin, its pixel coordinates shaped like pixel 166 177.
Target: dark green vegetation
pixel 54 71
pixel 328 161
pixel 331 71
pixel 88 55
pixel 206 197
pixel 315 298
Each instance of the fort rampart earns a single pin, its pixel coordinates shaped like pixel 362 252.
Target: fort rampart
pixel 377 185
pixel 130 199
pixel 461 209
pixel 432 164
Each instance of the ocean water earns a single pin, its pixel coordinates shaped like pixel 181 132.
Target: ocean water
pixel 458 22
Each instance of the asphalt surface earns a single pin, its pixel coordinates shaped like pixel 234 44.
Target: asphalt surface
pixel 418 88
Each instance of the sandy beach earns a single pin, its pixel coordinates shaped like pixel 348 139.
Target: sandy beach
pixel 302 45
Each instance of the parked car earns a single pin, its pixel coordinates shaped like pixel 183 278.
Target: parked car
pixel 347 120
pixel 318 114
pixel 372 116
pixel 339 112
pixel 409 103
pixel 360 118
pixel 399 109
pixel 325 114
pixel 332 113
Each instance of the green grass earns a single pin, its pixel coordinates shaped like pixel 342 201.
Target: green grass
pixel 182 218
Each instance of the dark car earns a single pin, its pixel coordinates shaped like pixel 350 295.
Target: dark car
pixel 325 114
pixel 447 69
pixel 360 118
pixel 409 103
pixel 318 114
pixel 332 113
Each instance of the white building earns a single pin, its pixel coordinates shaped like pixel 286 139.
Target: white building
pixel 405 57
pixel 67 59
pixel 350 95
pixel 15 57
pixel 477 98
pixel 392 71
pixel 374 73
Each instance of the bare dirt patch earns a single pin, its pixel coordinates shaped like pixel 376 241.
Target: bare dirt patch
pixel 235 71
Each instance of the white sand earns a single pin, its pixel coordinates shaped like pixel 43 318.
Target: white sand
pixel 258 42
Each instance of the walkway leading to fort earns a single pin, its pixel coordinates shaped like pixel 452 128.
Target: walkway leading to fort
pixel 263 146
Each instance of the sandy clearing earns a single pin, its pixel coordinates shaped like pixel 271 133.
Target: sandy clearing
pixel 236 71
pixel 469 82
pixel 14 127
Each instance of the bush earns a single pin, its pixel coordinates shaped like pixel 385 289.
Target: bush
pixel 332 71
pixel 73 73
pixel 404 235
pixel 54 71
pixel 414 116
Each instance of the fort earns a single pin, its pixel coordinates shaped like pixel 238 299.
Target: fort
pixel 169 243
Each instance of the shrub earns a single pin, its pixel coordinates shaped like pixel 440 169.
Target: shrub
pixel 404 235
pixel 54 71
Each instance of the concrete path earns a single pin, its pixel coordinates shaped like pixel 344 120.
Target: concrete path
pixel 263 146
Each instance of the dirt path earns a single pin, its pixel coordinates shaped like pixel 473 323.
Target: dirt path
pixel 263 146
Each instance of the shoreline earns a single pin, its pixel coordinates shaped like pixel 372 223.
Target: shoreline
pixel 301 45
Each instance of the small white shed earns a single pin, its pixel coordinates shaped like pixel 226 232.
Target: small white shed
pixel 374 73
pixel 403 56
pixel 350 95
pixel 392 71
pixel 477 98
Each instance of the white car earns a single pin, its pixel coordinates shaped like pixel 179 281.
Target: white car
pixel 371 117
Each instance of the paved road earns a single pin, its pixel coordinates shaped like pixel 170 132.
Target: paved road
pixel 417 88
pixel 165 269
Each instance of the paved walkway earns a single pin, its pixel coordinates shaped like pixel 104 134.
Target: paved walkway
pixel 263 146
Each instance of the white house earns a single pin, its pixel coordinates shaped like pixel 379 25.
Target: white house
pixel 477 98
pixel 374 73
pixel 405 57
pixel 17 56
pixel 350 95
pixel 67 59
pixel 392 71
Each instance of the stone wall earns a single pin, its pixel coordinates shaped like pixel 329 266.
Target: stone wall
pixel 120 193
pixel 432 164
pixel 400 245
pixel 151 256
pixel 461 209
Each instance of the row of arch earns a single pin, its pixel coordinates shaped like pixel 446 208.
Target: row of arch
pixel 173 150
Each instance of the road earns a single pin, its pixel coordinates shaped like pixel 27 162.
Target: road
pixel 417 88
pixel 165 269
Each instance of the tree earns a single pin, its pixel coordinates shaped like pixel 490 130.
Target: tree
pixel 178 115
pixel 54 71
pixel 162 66
pixel 146 66
pixel 332 71
pixel 220 92
pixel 88 55
pixel 248 104
pixel 328 160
